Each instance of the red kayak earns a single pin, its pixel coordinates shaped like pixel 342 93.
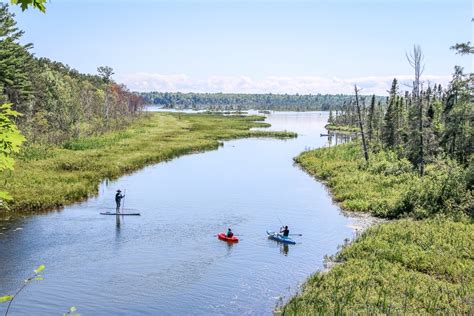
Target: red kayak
pixel 223 236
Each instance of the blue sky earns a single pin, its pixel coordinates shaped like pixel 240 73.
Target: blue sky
pixel 252 46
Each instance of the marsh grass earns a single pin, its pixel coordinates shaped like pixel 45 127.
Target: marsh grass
pixel 388 186
pixel 47 178
pixel 342 128
pixel 401 267
pixel 406 266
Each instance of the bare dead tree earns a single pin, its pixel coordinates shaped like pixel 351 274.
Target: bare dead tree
pixel 366 154
pixel 415 59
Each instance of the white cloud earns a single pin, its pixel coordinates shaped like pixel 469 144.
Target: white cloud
pixel 271 84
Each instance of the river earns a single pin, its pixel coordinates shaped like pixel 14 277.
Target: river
pixel 168 261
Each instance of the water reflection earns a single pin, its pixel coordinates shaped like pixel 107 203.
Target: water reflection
pixel 335 138
pixel 284 248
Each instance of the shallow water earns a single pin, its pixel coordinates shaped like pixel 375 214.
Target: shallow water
pixel 168 261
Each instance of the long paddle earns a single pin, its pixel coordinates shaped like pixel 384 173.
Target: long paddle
pixel 123 204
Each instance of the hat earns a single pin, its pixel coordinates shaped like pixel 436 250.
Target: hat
pixel 119 191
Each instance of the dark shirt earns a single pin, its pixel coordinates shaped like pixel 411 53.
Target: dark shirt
pixel 230 234
pixel 118 197
pixel 285 232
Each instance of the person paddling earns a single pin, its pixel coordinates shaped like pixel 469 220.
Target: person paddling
pixel 229 233
pixel 118 199
pixel 285 231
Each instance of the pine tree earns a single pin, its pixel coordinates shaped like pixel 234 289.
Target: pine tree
pixel 16 63
pixel 371 119
pixel 457 116
pixel 388 130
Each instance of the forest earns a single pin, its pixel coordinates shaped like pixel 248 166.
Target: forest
pixel 420 125
pixel 57 103
pixel 412 164
pixel 240 101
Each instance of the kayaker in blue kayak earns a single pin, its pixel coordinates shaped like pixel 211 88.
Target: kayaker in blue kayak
pixel 118 199
pixel 285 231
pixel 229 233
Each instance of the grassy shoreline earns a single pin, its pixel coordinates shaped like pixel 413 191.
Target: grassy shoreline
pixel 342 128
pixel 46 178
pixel 420 263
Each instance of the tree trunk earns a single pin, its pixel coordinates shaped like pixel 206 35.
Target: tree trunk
pixel 366 154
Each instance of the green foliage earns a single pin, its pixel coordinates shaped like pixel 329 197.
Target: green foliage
pixel 388 186
pixel 98 141
pixel 5 298
pixel 10 142
pixel 35 277
pixel 72 172
pixel 37 4
pixel 443 190
pixel 419 128
pixel 235 101
pixel 10 138
pixel 16 62
pixel 58 103
pixel 106 73
pixel 342 128
pixel 402 267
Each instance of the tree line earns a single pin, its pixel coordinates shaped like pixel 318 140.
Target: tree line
pixel 57 103
pixel 420 125
pixel 240 101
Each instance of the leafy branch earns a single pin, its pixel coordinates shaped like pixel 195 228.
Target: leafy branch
pixel 24 4
pixel 35 277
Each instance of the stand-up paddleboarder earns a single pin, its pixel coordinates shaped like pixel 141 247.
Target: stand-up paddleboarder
pixel 118 199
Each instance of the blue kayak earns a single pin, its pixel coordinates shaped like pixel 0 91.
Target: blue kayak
pixel 280 238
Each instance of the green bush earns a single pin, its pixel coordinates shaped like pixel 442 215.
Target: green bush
pixel 406 266
pixel 388 186
pixel 401 267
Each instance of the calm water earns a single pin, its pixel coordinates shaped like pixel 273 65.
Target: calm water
pixel 168 261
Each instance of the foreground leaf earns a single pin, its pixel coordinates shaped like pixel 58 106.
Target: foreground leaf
pixel 5 298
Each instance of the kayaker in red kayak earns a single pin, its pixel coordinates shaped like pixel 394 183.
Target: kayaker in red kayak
pixel 285 231
pixel 229 233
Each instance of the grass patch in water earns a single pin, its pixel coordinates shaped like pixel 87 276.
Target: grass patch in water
pixel 342 128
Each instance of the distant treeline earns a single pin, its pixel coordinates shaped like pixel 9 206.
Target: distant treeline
pixel 57 102
pixel 238 101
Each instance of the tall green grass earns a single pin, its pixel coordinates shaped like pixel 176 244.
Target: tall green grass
pixel 388 186
pixel 342 128
pixel 47 178
pixel 399 268
pixel 416 266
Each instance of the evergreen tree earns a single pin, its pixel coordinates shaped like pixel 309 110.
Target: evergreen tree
pixel 458 137
pixel 16 63
pixel 370 119
pixel 388 130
